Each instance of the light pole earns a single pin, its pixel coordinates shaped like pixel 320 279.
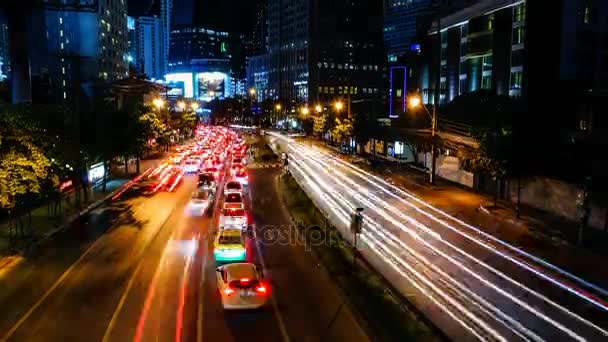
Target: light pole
pixel 181 105
pixel 251 96
pixel 415 102
pixel 278 108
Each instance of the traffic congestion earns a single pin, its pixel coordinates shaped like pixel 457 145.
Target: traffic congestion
pixel 216 159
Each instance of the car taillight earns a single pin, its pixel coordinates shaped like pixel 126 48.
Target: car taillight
pixel 261 289
pixel 244 281
pixel 228 291
pixel 216 174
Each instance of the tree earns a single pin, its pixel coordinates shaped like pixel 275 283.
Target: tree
pixel 342 130
pixel 24 168
pixel 319 125
pixel 329 123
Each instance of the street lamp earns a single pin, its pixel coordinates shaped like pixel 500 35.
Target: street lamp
pixel 305 110
pixel 194 106
pixel 339 105
pixel 158 103
pixel 252 91
pixel 318 108
pixel 181 105
pixel 415 101
pixel 278 106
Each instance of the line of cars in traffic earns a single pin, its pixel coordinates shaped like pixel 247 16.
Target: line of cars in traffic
pixel 217 158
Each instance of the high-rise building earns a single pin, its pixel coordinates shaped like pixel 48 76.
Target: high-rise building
pixel 166 21
pixel 321 51
pixel 200 63
pixel 77 46
pixel 149 59
pixel 182 13
pixel 400 25
pixel 4 60
pixel 132 42
pixel 257 40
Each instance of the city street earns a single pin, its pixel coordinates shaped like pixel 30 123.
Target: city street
pixel 470 284
pixel 139 268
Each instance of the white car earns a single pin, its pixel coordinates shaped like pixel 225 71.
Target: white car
pixel 241 176
pixel 191 166
pixel 233 216
pixel 241 286
pixel 233 186
pixel 200 203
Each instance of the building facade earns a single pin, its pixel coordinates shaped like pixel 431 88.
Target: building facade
pixel 400 25
pixel 321 51
pixel 73 47
pixel 513 47
pixel 200 63
pixel 4 53
pixel 149 54
pixel 166 21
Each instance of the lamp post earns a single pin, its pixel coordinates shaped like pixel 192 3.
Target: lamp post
pixel 278 112
pixel 252 93
pixel 181 105
pixel 318 108
pixel 415 101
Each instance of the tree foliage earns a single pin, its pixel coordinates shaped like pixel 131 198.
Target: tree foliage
pixel 342 129
pixel 24 168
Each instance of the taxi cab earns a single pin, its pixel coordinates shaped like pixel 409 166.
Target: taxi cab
pixel 229 246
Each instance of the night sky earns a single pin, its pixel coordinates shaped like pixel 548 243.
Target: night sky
pixel 228 15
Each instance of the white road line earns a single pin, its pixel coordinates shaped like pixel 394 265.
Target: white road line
pixel 278 315
pixel 48 293
pixel 201 296
pixel 125 294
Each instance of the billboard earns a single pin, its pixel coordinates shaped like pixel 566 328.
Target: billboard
pixel 211 85
pixel 181 84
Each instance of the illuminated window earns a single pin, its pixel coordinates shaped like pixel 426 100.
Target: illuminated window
pixel 61 33
pixel 516 79
pixel 520 13
pixel 62 46
pixel 63 70
pixel 60 20
pixel 518 35
pixel 65 96
pixel 331 90
pixel 587 13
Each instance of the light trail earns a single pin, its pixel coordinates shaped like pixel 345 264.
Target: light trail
pixel 360 172
pixel 575 291
pixel 360 197
pixel 344 217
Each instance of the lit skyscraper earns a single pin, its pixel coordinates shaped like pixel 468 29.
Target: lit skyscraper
pixel 400 24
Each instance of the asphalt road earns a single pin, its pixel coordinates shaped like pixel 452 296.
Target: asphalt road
pixel 139 268
pixel 471 285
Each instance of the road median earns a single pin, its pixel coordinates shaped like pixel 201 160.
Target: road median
pixel 385 314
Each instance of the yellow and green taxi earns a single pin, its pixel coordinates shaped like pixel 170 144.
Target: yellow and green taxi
pixel 229 246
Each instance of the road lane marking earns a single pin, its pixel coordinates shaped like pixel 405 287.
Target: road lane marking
pixel 47 293
pixel 123 297
pixel 201 295
pixel 210 231
pixel 182 301
pixel 273 300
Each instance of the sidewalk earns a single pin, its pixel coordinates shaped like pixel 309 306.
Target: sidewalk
pixel 44 222
pixel 545 235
